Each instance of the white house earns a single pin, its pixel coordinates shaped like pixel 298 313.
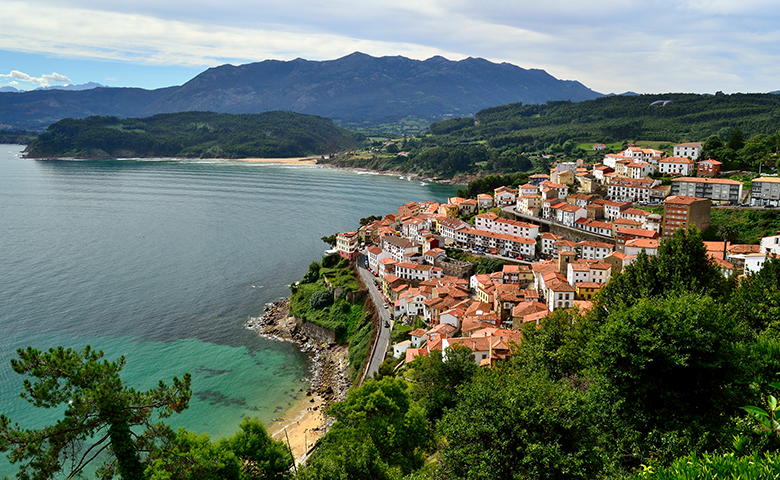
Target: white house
pixel 630 189
pixel 399 248
pixel 493 223
pixel 568 214
pixel 690 150
pixel 484 201
pixel 639 169
pixel 415 271
pixel 505 196
pixel 771 244
pixel 559 294
pixel 590 250
pixel 676 166
pixel 636 245
pixel 504 244
pixel 400 348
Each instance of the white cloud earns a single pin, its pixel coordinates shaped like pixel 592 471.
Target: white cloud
pixel 45 80
pixel 610 45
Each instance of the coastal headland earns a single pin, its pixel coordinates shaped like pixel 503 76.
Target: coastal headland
pixel 305 421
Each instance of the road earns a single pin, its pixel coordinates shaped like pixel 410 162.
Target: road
pixel 383 340
pixel 550 223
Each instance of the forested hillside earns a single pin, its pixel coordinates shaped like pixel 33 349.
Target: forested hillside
pixel 687 117
pixel 519 137
pixel 193 134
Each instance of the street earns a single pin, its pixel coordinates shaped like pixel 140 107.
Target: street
pixel 383 341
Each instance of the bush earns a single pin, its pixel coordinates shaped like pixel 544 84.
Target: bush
pixel 313 274
pixel 716 467
pixel 321 299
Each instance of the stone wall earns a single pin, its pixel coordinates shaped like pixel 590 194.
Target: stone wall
pixel 320 334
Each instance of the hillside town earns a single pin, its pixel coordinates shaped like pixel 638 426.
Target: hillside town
pixel 559 238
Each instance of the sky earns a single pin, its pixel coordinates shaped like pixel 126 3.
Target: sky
pixel 647 46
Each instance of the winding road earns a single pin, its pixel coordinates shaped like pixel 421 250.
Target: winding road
pixel 383 338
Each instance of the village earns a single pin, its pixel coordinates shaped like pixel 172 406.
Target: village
pixel 559 239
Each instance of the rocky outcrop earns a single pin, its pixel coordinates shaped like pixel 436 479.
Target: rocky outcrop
pixel 329 362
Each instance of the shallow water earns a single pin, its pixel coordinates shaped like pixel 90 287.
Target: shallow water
pixel 163 261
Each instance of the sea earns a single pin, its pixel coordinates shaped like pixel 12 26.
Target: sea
pixel 162 261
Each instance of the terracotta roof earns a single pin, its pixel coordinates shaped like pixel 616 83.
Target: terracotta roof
pixel 684 160
pixel 589 285
pixel 637 232
pixel 682 200
pixel 500 236
pixel 588 243
pixel 551 236
pixel 635 211
pixel 689 144
pixel 767 179
pixel 642 243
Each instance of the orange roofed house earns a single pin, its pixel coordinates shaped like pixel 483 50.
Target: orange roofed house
pixel 347 245
pixel 682 211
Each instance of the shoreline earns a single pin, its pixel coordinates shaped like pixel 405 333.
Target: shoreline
pixel 412 177
pixel 310 160
pixel 305 421
pixel 314 160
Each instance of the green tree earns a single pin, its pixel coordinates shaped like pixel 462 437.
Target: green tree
pixel 262 458
pixel 512 423
pixel 330 240
pixel 189 456
pixel 682 265
pixel 435 382
pixel 100 412
pixel 249 454
pixel 672 371
pixel 756 299
pixel 379 430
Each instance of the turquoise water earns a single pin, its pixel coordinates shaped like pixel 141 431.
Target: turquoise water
pixel 163 261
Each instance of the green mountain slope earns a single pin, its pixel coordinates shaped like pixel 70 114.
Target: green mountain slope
pixel 193 134
pixel 617 118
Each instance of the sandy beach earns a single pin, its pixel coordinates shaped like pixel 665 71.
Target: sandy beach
pixel 286 161
pixel 305 421
pixel 304 424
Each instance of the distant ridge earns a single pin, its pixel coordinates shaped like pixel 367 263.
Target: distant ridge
pixel 355 89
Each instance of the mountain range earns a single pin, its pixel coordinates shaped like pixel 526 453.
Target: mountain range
pixel 70 86
pixel 355 89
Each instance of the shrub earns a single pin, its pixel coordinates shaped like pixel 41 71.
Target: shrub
pixel 321 299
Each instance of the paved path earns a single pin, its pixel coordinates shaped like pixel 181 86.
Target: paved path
pixel 383 340
pixel 551 223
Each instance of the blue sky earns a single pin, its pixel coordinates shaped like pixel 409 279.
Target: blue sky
pixel 610 45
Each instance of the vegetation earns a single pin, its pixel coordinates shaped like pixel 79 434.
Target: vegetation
pixel 749 226
pixel 193 134
pixel 18 137
pixel 481 264
pixel 716 467
pixel 732 147
pixel 489 183
pixel 106 420
pixel 738 129
pixel 380 433
pixel 650 383
pixel 328 296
